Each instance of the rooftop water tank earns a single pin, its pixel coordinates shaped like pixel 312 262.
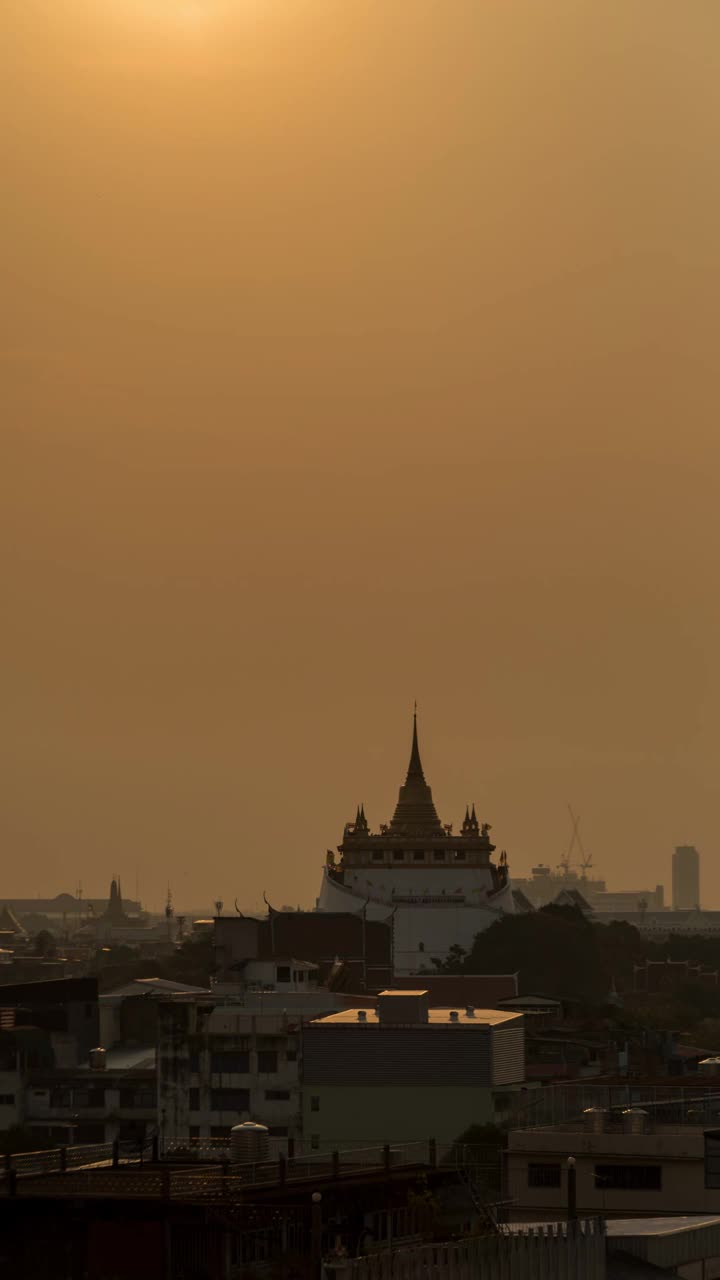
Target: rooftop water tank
pixel 98 1059
pixel 594 1120
pixel 249 1143
pixel 634 1120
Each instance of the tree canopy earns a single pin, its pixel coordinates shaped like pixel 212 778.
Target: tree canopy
pixel 559 952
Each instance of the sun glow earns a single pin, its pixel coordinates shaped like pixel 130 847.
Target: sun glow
pixel 184 13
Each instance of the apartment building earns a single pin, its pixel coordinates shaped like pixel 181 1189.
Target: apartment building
pixel 656 1152
pixel 403 1070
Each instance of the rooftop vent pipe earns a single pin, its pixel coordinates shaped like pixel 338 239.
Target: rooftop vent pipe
pixel 362 1015
pixel 454 1015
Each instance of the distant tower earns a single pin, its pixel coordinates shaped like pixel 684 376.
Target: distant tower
pixel 219 904
pixel 114 913
pixel 169 913
pixel 686 878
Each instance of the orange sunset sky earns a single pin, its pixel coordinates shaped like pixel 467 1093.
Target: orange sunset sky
pixel 353 352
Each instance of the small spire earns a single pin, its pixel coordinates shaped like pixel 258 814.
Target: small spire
pixel 415 769
pixel 357 817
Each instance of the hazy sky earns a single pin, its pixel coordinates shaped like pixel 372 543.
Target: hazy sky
pixel 356 351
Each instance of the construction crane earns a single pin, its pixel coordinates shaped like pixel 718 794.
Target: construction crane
pixel 584 859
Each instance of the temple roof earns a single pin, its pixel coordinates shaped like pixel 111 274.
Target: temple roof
pixel 415 811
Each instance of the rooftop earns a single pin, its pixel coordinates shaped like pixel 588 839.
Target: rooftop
pixel 435 1017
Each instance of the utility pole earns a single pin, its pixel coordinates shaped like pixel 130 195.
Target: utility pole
pixel 571 1189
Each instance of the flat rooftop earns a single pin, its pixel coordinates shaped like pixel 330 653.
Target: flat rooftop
pixel 435 1018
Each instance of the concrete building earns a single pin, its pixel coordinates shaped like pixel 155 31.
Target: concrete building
pixel 350 951
pixel 235 1054
pixel 686 878
pixel 396 1072
pixel 51 1082
pixel 657 1152
pixel 118 1100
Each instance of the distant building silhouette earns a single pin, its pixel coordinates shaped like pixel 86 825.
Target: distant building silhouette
pixel 686 878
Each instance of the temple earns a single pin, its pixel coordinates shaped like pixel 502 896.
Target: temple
pixel 440 888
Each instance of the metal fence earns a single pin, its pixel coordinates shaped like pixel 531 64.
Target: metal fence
pixel 562 1106
pixel 526 1253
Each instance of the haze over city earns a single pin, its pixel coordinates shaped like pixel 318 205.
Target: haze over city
pixel 355 354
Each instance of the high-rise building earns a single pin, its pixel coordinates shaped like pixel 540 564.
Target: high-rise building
pixel 686 877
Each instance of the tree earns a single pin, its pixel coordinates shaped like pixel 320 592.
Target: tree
pixel 44 945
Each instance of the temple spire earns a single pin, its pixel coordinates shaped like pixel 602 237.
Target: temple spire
pixel 415 812
pixel 415 769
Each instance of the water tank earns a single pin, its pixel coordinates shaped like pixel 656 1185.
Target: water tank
pixel 634 1120
pixel 98 1059
pixel 594 1120
pixel 709 1067
pixel 249 1143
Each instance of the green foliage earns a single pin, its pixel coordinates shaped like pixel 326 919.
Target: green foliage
pixel 44 945
pixel 559 952
pixel 192 962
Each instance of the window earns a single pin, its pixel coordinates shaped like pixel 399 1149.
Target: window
pixel 282 973
pixel 459 855
pixel 144 1098
pixel 228 1061
pixel 314 1141
pixel 267 1060
pixel 628 1177
pixel 7 1099
pixel 314 1104
pixel 89 1010
pixel 377 855
pixel 230 1100
pixel 194 1131
pixel 88 1097
pixel 277 1095
pixel 419 855
pixel 712 1159
pixel 194 1061
pixel 194 1099
pixel 439 855
pixel 291 1055
pixel 276 1131
pixel 543 1175
pixel 398 855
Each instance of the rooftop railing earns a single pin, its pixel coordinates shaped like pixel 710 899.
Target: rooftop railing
pixel 570 1107
pixel 183 1173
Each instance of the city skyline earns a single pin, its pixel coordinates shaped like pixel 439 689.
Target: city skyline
pixel 353 354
